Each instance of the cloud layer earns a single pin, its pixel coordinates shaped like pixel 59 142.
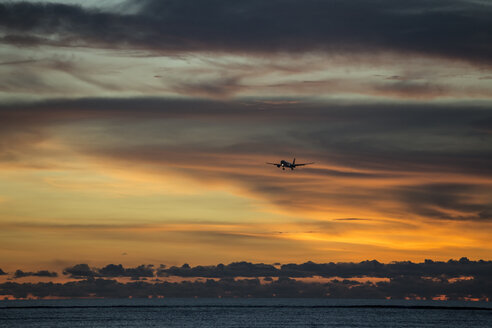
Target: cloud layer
pixel 428 280
pixel 450 269
pixel 432 160
pixel 457 29
pixel 463 268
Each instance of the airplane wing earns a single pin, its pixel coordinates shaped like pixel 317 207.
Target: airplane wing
pixel 302 164
pixel 273 163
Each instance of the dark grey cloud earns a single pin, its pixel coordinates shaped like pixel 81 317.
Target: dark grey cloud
pixel 413 138
pixel 457 28
pixel 2 273
pixel 17 62
pixel 367 118
pixel 113 270
pixel 63 111
pixel 236 269
pixel 429 268
pixel 352 219
pixel 406 280
pixel 356 133
pixel 435 269
pixel 214 88
pixel 437 201
pixel 80 271
pixel 41 273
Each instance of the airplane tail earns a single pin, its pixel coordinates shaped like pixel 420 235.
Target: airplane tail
pixel 294 161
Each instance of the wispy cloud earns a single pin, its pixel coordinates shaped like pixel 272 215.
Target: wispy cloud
pixel 256 26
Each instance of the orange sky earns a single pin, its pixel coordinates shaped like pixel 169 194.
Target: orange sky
pixel 68 204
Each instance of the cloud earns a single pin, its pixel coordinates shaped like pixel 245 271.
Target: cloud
pixel 221 87
pixel 416 156
pixel 81 271
pixel 450 269
pixel 447 29
pixel 2 273
pixel 426 280
pixel 42 273
pixel 366 117
pixel 113 270
pixel 351 219
pixel 82 72
pixel 236 269
pixel 448 201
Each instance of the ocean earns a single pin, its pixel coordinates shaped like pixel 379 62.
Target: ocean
pixel 243 313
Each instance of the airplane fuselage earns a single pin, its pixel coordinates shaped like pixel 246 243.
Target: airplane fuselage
pixel 285 164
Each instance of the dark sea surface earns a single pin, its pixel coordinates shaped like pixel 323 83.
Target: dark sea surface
pixel 243 313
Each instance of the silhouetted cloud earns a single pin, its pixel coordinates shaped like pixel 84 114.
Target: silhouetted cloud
pixel 2 273
pixel 457 28
pixel 429 268
pixel 41 273
pixel 455 279
pixel 110 270
pixel 395 288
pixel 236 269
pixel 80 271
pixel 450 269
pixel 113 270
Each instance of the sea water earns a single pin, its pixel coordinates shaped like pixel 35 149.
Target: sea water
pixel 243 313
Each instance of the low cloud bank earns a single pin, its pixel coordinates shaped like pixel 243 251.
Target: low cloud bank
pixel 396 288
pixel 455 279
pixel 428 269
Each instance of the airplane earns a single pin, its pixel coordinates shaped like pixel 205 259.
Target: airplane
pixel 292 165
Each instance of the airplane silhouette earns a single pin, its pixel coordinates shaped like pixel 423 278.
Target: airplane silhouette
pixel 283 164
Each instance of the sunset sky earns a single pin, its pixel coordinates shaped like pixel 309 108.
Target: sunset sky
pixel 137 131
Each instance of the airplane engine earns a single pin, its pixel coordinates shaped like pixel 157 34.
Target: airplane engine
pixel 278 165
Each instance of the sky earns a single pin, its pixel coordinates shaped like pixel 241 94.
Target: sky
pixel 137 132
